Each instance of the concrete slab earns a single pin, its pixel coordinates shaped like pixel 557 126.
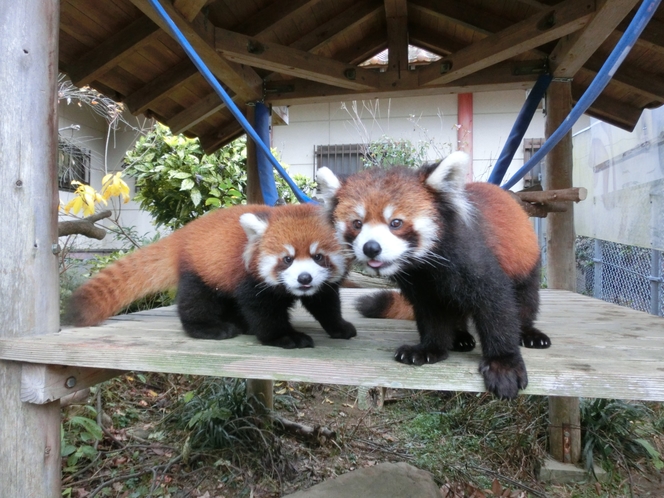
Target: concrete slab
pixel 385 480
pixel 556 472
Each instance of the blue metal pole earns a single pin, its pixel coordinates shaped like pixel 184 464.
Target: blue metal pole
pixel 611 65
pixel 265 175
pixel 519 129
pixel 212 80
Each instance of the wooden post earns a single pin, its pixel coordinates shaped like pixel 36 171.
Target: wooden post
pixel 465 128
pixel 564 414
pixel 29 434
pixel 260 389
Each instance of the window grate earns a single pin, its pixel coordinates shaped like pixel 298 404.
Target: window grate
pixel 343 160
pixel 73 165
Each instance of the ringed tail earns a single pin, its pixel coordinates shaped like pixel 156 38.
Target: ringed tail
pixel 148 270
pixel 385 304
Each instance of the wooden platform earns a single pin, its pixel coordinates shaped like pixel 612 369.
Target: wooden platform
pixel 599 350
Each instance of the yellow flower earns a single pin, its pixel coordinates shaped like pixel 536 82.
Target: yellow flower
pixel 84 199
pixel 113 184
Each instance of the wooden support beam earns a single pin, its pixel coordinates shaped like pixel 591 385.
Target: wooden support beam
pixel 285 60
pixel 373 43
pixel 272 16
pixel 396 14
pixel 564 414
pixel 45 383
pixel 652 36
pixel 462 13
pixel 608 109
pixel 503 76
pixel 541 28
pixel 241 79
pixel 573 50
pixel 200 111
pixel 327 32
pixel 141 100
pixel 572 194
pixel 189 9
pixel 30 463
pixel 119 46
pixel 226 134
pixel 433 41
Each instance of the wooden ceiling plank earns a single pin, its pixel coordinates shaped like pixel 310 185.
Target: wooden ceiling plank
pixel 463 13
pixel 396 15
pixel 140 100
pixel 103 57
pixel 433 41
pixel 189 9
pixel 270 17
pixel 641 81
pixel 543 27
pixel 573 50
pixel 196 113
pixel 246 50
pixel 337 26
pixel 242 80
pixel 373 43
pixel 652 36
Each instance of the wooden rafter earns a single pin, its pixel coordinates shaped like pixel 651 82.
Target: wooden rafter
pixel 609 109
pixel 139 101
pixel 372 43
pixel 242 80
pixel 396 15
pixel 109 53
pixel 200 111
pixel 269 18
pixel 189 9
pixel 246 50
pixel 462 13
pixel 573 51
pixel 526 35
pixel 226 134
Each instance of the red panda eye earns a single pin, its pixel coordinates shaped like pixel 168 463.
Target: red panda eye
pixel 288 260
pixel 357 225
pixel 396 223
pixel 318 258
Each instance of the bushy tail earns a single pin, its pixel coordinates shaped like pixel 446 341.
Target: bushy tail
pixel 385 304
pixel 146 271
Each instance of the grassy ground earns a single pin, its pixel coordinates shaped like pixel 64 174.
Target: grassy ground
pixel 182 436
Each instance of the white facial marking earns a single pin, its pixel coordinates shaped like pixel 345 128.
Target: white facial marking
pixel 360 212
pixel 392 248
pixel 313 248
pixel 387 213
pixel 289 277
pixel 427 229
pixel 290 250
pixel 265 266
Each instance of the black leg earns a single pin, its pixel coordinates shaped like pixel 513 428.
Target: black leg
pixel 463 340
pixel 266 314
pixel 206 313
pixel 527 296
pixel 325 306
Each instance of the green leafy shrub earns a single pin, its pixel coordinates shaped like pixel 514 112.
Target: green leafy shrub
pixel 387 152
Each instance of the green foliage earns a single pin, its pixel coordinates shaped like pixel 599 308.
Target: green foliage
pixel 616 431
pixel 177 182
pixel 306 184
pixel 78 435
pixel 387 152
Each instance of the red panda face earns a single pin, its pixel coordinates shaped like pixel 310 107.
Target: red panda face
pixel 296 248
pixel 389 217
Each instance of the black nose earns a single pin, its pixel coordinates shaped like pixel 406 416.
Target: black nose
pixel 372 249
pixel 304 278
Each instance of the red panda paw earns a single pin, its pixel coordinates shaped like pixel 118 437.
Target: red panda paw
pixel 419 354
pixel 534 338
pixel 463 341
pixel 290 340
pixel 345 330
pixel 504 375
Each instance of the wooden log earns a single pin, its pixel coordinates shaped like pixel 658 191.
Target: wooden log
pixel 540 210
pixel 565 446
pixel 86 226
pixel 574 194
pixel 29 434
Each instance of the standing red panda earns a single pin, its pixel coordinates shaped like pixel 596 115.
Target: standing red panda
pixel 455 251
pixel 237 270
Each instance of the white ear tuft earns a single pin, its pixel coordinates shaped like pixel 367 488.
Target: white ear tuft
pixel 327 182
pixel 253 226
pixel 450 173
pixel 448 178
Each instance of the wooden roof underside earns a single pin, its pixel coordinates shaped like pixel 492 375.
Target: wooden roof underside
pixel 305 51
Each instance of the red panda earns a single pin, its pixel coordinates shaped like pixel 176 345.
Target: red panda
pixel 237 270
pixel 455 251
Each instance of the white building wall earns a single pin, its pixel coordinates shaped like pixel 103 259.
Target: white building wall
pixel 94 135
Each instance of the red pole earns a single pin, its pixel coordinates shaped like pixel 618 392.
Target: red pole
pixel 465 128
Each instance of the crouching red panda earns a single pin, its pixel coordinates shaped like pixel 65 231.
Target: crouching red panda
pixel 237 270
pixel 455 251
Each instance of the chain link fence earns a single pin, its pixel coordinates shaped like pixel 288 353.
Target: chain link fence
pixel 621 274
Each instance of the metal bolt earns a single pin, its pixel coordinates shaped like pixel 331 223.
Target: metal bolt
pixel 254 47
pixel 445 67
pixel 70 382
pixel 350 74
pixel 56 248
pixel 19 183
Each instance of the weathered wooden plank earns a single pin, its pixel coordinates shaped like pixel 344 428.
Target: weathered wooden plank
pixel 396 13
pixel 599 350
pixel 29 434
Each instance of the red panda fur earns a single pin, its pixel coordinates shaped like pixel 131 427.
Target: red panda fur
pixel 214 247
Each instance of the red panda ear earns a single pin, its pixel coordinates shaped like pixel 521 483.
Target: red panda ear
pixel 253 226
pixel 327 182
pixel 448 178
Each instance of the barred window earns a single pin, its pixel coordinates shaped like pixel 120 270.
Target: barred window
pixel 534 176
pixel 73 164
pixel 343 160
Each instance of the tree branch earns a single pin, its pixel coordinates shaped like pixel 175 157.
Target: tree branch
pixel 86 226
